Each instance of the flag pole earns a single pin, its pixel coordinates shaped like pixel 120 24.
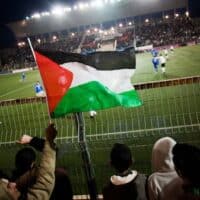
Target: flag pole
pixel 89 170
pixel 33 53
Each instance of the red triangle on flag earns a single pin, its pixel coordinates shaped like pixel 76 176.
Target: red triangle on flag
pixel 56 79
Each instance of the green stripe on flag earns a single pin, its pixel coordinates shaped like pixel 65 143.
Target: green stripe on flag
pixel 94 96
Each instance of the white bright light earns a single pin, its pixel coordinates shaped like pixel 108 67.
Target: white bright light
pixel 98 3
pixel 112 29
pixel 167 17
pixel 130 23
pixel 27 18
pixel 21 44
pixel 75 7
pixel 73 34
pixel 54 37
pixel 36 15
pixel 88 31
pixel 57 10
pixel 146 20
pixel 176 15
pixel 45 13
pixel 67 9
pixel 120 25
pixel 38 40
pixel 95 29
pixel 187 13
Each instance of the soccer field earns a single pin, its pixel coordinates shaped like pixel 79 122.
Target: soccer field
pixel 172 111
pixel 184 62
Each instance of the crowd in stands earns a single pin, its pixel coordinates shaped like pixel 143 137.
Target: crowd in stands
pixel 157 32
pixel 175 173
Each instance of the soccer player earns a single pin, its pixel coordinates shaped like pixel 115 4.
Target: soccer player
pixel 172 49
pixel 162 63
pixel 155 61
pixel 154 52
pixel 23 76
pixel 39 92
pixel 165 51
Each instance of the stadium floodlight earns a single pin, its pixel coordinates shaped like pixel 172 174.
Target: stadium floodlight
pixel 112 28
pixel 36 16
pixel 45 13
pixel 54 37
pixel 105 33
pixel 57 10
pixel 176 14
pixel 75 7
pixel 67 9
pixel 187 13
pixel 21 44
pixel 98 3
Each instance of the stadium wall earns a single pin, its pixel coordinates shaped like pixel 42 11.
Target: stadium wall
pixel 76 18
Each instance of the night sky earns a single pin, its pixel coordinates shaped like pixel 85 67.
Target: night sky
pixel 13 10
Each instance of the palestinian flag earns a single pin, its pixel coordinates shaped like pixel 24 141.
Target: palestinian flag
pixel 78 83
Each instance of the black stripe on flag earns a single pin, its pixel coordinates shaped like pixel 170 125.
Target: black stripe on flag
pixel 102 60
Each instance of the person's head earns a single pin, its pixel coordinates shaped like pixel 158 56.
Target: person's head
pixel 187 163
pixel 62 188
pixel 24 159
pixel 120 157
pixel 162 155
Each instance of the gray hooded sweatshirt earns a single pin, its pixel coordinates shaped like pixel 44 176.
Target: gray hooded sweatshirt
pixel 162 166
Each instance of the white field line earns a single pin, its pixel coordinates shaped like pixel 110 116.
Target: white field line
pixel 16 90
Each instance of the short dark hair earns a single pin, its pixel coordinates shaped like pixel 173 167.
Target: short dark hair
pixel 120 156
pixel 63 187
pixel 24 159
pixel 186 159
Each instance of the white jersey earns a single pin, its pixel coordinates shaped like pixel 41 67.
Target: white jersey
pixel 165 52
pixel 162 60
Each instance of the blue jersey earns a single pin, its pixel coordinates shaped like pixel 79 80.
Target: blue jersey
pixel 155 60
pixel 154 52
pixel 38 88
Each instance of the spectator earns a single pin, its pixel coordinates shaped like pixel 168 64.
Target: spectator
pixel 126 184
pixel 24 161
pixel 162 166
pixel 187 164
pixel 63 186
pixel 45 178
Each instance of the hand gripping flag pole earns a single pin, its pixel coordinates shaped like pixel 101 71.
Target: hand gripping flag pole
pixel 32 50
